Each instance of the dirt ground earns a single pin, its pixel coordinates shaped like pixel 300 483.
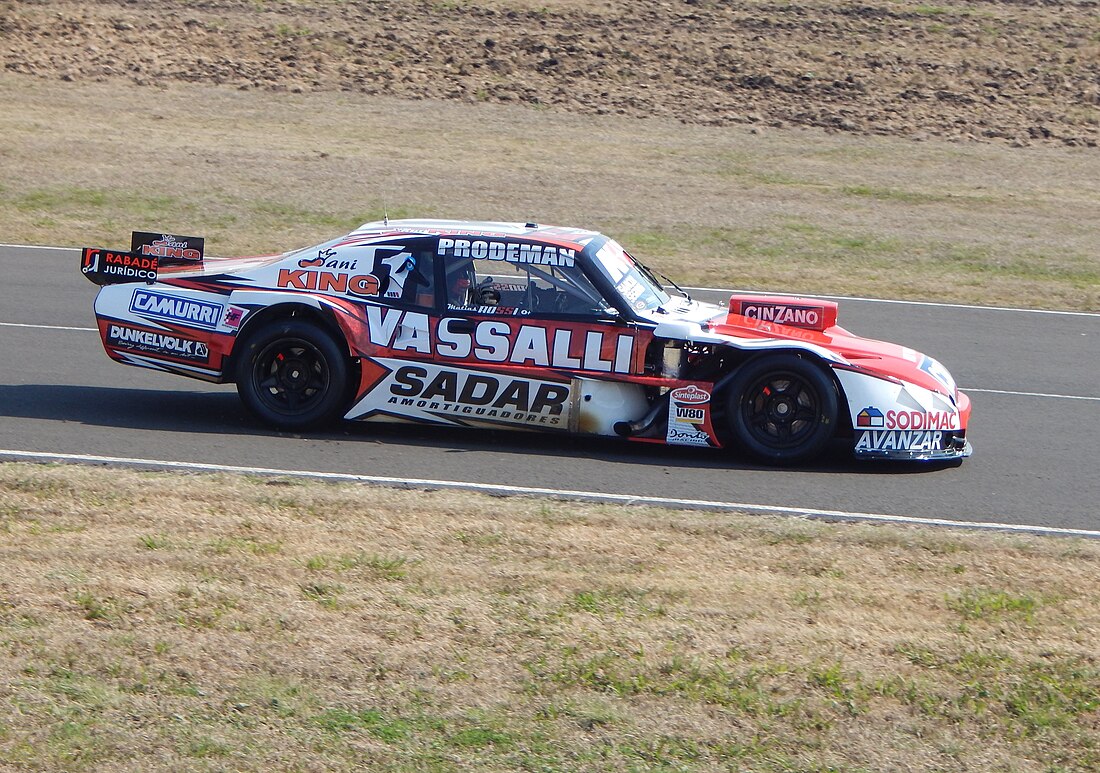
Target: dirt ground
pixel 1014 72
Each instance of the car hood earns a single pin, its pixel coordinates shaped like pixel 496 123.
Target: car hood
pixel 881 358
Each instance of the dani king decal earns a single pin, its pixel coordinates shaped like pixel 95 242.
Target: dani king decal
pixel 167 246
pixel 148 253
pixel 689 417
pixel 393 270
pixel 435 393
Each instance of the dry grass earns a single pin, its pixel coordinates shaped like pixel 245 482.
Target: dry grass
pixel 150 621
pixel 788 210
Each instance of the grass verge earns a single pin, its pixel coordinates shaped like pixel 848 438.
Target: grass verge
pixel 151 621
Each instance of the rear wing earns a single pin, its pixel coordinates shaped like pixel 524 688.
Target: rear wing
pixel 149 252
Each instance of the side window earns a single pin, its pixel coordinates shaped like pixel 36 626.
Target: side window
pixel 506 288
pixel 406 275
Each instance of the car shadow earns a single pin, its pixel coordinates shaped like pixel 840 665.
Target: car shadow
pixel 146 409
pixel 221 413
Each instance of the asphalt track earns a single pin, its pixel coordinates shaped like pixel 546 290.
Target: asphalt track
pixel 1034 379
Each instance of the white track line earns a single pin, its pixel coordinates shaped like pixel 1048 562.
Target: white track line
pixel 39 247
pixel 762 292
pixel 49 327
pixel 903 303
pixel 1028 394
pixel 593 496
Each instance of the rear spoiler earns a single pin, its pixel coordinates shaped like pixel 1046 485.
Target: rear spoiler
pixel 149 252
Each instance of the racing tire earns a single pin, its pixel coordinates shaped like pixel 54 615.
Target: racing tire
pixel 782 409
pixel 291 374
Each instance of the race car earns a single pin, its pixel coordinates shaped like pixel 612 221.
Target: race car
pixel 519 326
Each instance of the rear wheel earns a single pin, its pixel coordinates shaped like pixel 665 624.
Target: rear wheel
pixel 293 375
pixel 782 409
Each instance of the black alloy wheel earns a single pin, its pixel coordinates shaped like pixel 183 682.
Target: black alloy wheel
pixel 782 408
pixel 292 374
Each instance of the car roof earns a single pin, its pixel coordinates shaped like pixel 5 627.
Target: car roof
pixel 576 237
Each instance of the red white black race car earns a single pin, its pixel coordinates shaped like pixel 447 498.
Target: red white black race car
pixel 520 326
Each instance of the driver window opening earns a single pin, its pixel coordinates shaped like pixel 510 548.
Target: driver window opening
pixel 504 288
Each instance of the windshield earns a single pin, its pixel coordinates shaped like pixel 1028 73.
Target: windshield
pixel 633 281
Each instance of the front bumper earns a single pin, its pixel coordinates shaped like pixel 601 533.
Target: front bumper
pixel 918 445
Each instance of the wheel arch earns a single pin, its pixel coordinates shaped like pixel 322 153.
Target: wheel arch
pixel 742 359
pixel 745 357
pixel 289 309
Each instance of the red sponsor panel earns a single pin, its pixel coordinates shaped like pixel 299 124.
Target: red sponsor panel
pixel 808 313
pixel 167 246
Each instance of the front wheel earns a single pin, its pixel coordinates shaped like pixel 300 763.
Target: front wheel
pixel 292 374
pixel 782 409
